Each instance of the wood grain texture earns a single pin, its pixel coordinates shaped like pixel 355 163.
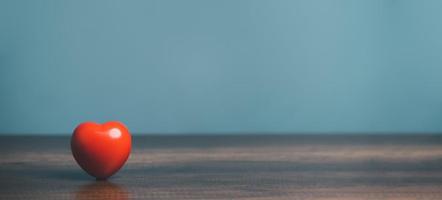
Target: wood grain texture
pixel 232 167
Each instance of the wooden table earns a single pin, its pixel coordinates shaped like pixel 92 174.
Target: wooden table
pixel 232 167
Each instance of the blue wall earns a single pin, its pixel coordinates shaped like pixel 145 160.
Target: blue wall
pixel 222 66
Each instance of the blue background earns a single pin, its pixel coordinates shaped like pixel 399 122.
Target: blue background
pixel 225 66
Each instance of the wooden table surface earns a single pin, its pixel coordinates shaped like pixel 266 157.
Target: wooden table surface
pixel 232 167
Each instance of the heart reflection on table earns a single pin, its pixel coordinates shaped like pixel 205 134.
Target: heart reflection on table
pixel 101 190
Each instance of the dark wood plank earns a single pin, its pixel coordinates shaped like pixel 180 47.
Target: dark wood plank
pixel 232 167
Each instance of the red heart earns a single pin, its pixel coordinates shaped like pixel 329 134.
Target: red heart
pixel 101 149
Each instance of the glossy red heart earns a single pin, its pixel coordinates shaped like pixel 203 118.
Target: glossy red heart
pixel 101 149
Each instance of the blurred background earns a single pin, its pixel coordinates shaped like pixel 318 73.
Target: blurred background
pixel 225 66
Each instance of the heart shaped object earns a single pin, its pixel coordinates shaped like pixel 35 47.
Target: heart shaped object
pixel 101 149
